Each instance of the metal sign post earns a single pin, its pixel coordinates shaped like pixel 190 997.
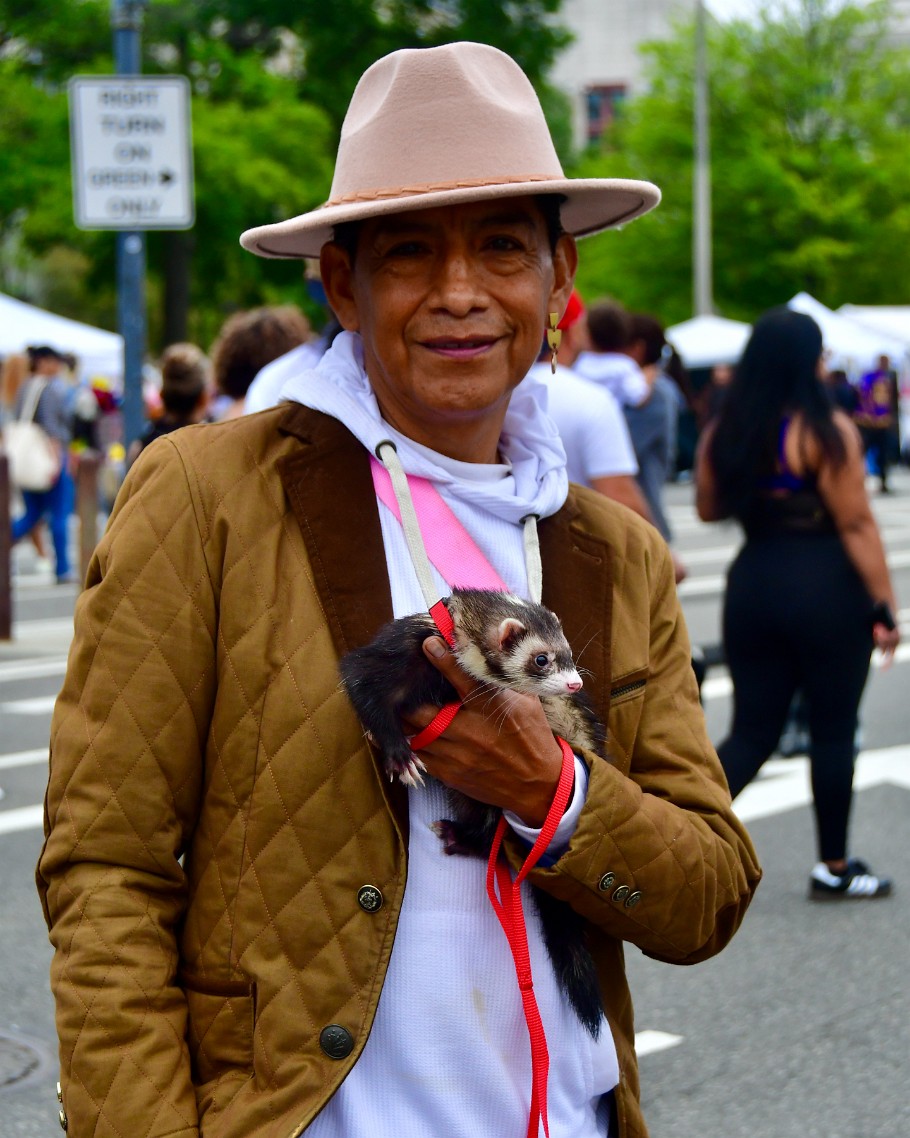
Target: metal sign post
pixel 132 171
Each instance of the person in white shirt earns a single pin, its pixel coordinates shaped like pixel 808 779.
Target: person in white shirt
pixel 605 362
pixel 600 452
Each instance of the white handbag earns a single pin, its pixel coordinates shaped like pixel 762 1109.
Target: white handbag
pixel 34 458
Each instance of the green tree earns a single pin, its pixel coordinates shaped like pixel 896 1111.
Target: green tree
pixel 271 80
pixel 810 145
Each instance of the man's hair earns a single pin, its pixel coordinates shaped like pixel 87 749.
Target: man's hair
pixel 347 234
pixel 184 374
pixel 650 331
pixel 250 340
pixel 608 326
pixel 43 352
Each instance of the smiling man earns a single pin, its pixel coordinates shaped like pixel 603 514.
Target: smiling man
pixel 256 933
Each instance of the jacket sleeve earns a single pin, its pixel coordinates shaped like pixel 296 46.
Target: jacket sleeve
pixel 127 744
pixel 664 835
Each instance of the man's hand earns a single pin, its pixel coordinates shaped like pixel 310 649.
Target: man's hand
pixel 499 749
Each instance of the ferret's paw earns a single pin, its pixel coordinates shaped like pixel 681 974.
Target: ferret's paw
pixel 412 774
pixel 449 833
pixel 407 767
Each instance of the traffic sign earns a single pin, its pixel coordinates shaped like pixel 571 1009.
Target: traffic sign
pixel 132 158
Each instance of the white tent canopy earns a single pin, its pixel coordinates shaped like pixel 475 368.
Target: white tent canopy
pixel 852 346
pixel 99 353
pixel 891 319
pixel 705 341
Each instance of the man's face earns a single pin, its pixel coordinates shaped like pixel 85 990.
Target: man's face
pixel 452 305
pixel 48 366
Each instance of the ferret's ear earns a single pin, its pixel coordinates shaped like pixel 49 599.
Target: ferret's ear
pixel 509 631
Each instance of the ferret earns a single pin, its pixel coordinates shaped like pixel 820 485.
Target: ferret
pixel 501 641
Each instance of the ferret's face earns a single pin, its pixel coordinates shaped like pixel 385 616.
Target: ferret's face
pixel 527 652
pixel 541 667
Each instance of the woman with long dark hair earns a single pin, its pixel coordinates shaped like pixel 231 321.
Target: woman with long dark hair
pixel 809 593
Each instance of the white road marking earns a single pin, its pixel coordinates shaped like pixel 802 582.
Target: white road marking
pixel 39 705
pixel 23 818
pixel 46 626
pixel 784 783
pixel 648 1042
pixel 32 669
pixel 23 759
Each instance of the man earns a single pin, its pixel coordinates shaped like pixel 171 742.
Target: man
pixel 653 424
pixel 599 451
pixel 606 360
pixel 256 933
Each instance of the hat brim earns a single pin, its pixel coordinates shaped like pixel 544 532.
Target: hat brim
pixel 591 205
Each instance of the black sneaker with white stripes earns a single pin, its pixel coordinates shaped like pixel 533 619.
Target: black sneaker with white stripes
pixel 856 883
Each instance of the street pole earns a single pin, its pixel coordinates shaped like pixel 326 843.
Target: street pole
pixel 703 287
pixel 126 23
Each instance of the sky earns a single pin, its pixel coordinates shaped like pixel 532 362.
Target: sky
pixel 728 9
pixel 731 9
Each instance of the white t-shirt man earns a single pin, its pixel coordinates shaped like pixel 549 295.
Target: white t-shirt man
pixel 618 373
pixel 591 426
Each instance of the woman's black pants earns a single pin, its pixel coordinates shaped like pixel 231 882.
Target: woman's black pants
pixel 797 618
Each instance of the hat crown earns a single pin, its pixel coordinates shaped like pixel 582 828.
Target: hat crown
pixel 423 118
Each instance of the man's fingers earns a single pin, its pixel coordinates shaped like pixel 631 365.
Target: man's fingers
pixel 437 652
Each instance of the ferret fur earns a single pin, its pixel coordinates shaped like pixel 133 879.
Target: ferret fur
pixel 501 641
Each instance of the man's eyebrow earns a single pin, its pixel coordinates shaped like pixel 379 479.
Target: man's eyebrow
pixel 508 218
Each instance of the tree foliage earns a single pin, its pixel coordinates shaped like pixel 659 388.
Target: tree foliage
pixel 271 80
pixel 810 109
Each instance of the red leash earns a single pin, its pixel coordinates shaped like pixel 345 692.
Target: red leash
pixel 507 902
pixel 507 907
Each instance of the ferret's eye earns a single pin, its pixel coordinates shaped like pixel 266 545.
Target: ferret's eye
pixel 542 660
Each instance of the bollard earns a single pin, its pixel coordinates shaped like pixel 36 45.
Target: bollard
pixel 6 554
pixel 87 507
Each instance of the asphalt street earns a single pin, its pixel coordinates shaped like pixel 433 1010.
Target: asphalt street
pixel 801 1028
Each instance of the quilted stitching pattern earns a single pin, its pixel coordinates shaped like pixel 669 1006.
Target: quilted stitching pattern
pixel 272 766
pixel 204 675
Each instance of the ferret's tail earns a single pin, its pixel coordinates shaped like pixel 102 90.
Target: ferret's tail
pixel 564 936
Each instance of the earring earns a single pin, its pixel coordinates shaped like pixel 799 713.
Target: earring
pixel 554 339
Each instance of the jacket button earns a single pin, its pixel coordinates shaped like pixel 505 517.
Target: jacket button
pixel 606 881
pixel 621 893
pixel 369 898
pixel 63 1120
pixel 633 899
pixel 336 1041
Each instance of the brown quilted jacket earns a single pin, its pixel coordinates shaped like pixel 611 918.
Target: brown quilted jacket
pixel 213 810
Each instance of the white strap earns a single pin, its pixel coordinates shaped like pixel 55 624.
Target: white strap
pixel 34 389
pixel 388 456
pixel 532 558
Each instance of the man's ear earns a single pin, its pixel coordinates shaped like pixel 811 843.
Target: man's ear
pixel 565 263
pixel 338 281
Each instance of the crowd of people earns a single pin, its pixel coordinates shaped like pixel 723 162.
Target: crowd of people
pixel 245 924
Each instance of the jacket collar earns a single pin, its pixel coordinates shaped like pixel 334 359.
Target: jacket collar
pixel 330 489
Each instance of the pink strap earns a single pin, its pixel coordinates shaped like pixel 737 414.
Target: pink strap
pixel 449 545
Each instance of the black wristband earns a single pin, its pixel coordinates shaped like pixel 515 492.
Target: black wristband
pixel 882 614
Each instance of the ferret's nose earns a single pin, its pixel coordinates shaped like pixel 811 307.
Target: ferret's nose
pixel 573 685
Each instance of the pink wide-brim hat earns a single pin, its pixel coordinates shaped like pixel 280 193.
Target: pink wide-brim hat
pixel 441 126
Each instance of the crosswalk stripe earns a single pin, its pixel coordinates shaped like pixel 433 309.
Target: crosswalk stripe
pixel 23 759
pixel 22 818
pixel 32 669
pixel 38 705
pixel 647 1042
